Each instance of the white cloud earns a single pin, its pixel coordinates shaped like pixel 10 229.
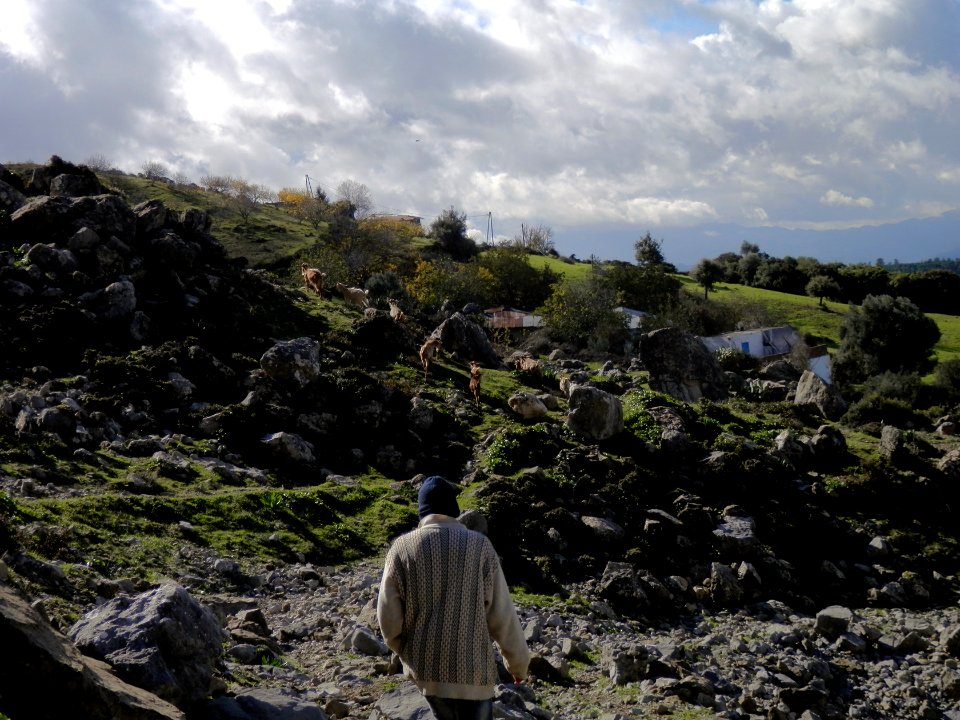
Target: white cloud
pixel 551 111
pixel 837 198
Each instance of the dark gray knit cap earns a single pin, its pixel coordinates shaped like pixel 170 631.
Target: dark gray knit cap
pixel 437 495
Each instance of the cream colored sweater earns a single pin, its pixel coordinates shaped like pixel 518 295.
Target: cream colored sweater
pixel 443 601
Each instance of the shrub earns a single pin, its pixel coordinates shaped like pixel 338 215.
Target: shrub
pixel 947 379
pixel 902 386
pixel 735 360
pixel 885 410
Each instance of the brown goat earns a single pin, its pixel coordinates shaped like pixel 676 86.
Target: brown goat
pixel 313 278
pixel 475 381
pixel 430 347
pixel 527 364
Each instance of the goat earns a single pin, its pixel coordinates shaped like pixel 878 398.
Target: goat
pixel 527 364
pixel 430 347
pixel 353 295
pixel 313 278
pixel 475 381
pixel 396 314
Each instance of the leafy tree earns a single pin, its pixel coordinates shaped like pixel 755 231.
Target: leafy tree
pixel 780 274
pixel 749 248
pixel 449 231
pixel 509 278
pixel 441 279
pixel 707 273
pixel 645 287
pixel 858 281
pixel 748 266
pixel 932 290
pixel 821 286
pixel 885 334
pixel 581 312
pixel 648 252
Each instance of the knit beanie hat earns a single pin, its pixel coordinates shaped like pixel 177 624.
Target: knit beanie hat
pixel 437 496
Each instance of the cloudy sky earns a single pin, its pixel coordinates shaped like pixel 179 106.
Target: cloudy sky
pixel 600 119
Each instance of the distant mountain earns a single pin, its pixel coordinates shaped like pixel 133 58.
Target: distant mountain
pixel 907 241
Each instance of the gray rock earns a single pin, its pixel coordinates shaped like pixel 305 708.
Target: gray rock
pixel 77 686
pixel 290 445
pixel 364 642
pixel 833 621
pixel 263 704
pixel 736 534
pixel 527 405
pixel 466 339
pixel 681 366
pixel 626 664
pixel 11 199
pixel 296 361
pixel 811 390
pixel 891 441
pixel 594 413
pixel 162 640
pixel 604 528
pixel 403 703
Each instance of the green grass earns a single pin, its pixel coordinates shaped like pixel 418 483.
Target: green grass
pixel 270 237
pixel 570 270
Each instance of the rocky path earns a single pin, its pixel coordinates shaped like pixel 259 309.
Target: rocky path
pixel 759 662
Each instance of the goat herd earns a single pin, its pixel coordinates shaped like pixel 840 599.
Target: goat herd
pixel 314 280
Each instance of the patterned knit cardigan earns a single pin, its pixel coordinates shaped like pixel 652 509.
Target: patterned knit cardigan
pixel 443 600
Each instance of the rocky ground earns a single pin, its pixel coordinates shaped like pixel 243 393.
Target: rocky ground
pixel 761 661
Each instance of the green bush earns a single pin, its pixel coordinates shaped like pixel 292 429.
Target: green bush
pixel 885 410
pixel 946 379
pixel 736 360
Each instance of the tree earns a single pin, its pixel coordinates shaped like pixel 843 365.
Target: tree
pixel 649 287
pixel 358 195
pixel 581 312
pixel 707 273
pixel 885 334
pixel 749 248
pixel 509 278
pixel 821 286
pixel 153 170
pixel 449 231
pixel 535 238
pixel 648 252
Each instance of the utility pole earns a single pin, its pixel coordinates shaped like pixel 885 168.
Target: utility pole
pixel 309 186
pixel 489 227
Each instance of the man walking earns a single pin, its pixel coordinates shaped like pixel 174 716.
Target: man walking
pixel 443 601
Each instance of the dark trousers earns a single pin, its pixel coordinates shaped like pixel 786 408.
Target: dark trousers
pixel 451 709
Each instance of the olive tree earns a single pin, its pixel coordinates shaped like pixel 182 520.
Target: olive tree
pixel 884 334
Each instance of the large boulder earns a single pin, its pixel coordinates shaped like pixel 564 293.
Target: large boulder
pixel 162 640
pixel 464 338
pixel 594 413
pixel 681 366
pixel 77 686
pixel 825 398
pixel 294 361
pixel 527 405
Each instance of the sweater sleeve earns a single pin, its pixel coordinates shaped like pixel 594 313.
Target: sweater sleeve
pixel 504 625
pixel 390 610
